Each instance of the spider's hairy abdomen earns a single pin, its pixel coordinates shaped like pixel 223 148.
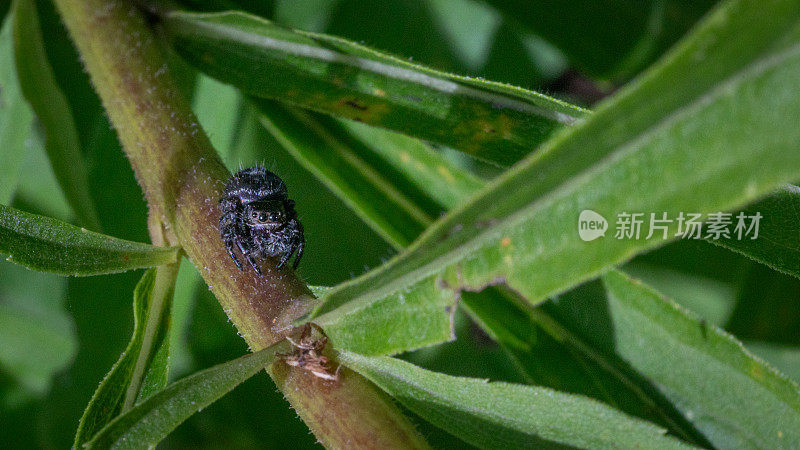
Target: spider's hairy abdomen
pixel 253 184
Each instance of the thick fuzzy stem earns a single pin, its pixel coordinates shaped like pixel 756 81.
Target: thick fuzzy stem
pixel 182 178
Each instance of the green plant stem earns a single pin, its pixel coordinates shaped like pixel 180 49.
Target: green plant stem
pixel 182 178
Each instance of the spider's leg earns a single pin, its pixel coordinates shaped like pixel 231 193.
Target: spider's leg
pixel 300 246
pixel 253 264
pixel 240 244
pixel 298 241
pixel 284 258
pixel 249 256
pixel 229 246
pixel 229 237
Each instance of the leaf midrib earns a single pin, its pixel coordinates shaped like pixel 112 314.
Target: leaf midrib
pixel 750 71
pixel 439 81
pixel 519 426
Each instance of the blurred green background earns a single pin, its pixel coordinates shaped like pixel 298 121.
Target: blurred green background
pixel 59 336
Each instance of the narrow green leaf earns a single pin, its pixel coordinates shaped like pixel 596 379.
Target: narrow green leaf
pixel 325 148
pixel 548 354
pixel 16 117
pixel 492 121
pixel 778 242
pixel 680 122
pixel 49 245
pixel 51 107
pixel 719 386
pixel 143 367
pixel 419 318
pixel 503 415
pixel 154 418
pixel 439 179
pixel 319 290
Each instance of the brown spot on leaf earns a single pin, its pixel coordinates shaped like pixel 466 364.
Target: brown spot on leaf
pixel 353 103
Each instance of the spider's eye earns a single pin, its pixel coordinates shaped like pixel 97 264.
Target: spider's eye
pixel 263 217
pixel 254 214
pixel 274 216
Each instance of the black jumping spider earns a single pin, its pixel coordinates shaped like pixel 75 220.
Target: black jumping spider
pixel 259 218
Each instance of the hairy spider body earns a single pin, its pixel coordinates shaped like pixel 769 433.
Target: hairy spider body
pixel 259 219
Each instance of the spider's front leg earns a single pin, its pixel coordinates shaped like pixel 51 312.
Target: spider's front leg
pixel 300 245
pixel 297 243
pixel 230 240
pixel 229 231
pixel 251 259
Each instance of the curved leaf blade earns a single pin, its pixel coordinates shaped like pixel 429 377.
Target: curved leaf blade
pixel 709 376
pixel 143 367
pixel 440 180
pixel 51 107
pixel 522 230
pixel 154 418
pixel 542 349
pixel 492 121
pixel 49 245
pixel 504 415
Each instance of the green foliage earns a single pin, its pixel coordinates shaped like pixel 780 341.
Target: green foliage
pixel 49 245
pixel 151 420
pixel 50 105
pixel 515 333
pixel 521 231
pixel 142 368
pixel 706 373
pixel 493 121
pixel 517 416
pixel 779 232
pixel 38 335
pixel 611 39
pixel 15 118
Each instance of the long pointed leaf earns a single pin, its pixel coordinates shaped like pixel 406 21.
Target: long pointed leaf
pixel 719 386
pixel 49 245
pixel 523 230
pixel 142 369
pixel 492 121
pixel 502 415
pixel 153 419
